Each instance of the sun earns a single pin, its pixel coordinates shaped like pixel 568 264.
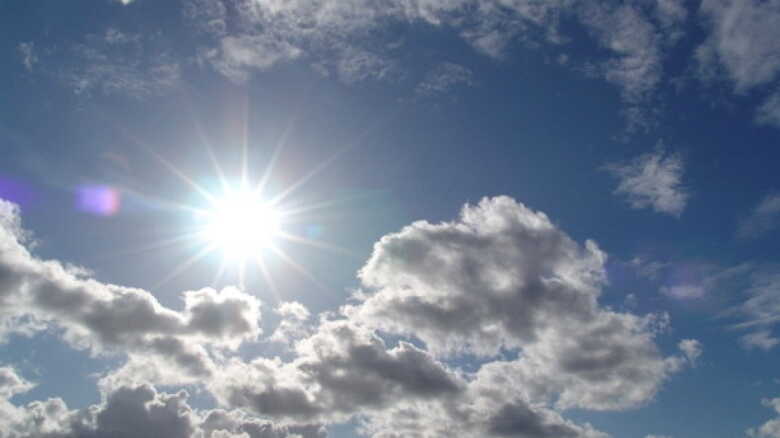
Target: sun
pixel 240 224
pixel 250 227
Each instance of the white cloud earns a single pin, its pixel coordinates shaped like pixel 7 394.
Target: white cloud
pixel 237 56
pixel 762 307
pixel 11 383
pixel 443 78
pixel 29 57
pixel 294 324
pixel 350 36
pixel 500 276
pixel 692 349
pixel 764 218
pixel 625 31
pixel 117 63
pixel 106 318
pixel 503 276
pixel 653 180
pixel 759 310
pixel 761 339
pixel 672 15
pixel 647 268
pixel 141 411
pixel 743 41
pixel 684 291
pixel 769 111
pixel 770 429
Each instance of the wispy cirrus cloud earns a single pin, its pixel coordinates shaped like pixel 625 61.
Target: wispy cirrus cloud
pixel 742 42
pixel 28 54
pixel 764 218
pixel 769 111
pixel 443 78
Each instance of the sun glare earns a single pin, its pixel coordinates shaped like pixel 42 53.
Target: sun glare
pixel 240 225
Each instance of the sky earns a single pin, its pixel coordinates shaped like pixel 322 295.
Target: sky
pixel 389 218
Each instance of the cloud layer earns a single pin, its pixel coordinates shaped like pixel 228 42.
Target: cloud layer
pixel 499 279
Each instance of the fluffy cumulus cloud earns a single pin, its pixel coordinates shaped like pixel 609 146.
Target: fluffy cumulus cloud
pixel 504 277
pixel 653 180
pixel 501 278
pixel 294 324
pixel 141 411
pixel 341 370
pixel 106 318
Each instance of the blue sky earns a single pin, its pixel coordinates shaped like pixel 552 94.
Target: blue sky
pixel 398 218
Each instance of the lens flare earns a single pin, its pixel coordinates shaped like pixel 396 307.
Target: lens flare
pixel 98 200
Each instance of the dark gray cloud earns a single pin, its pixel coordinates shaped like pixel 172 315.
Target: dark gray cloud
pixel 141 412
pixel 341 370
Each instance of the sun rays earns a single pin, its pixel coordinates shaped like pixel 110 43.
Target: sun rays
pixel 242 223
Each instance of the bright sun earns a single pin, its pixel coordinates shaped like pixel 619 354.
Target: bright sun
pixel 240 224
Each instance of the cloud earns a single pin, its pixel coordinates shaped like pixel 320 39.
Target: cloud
pixel 769 111
pixel 653 180
pixel 672 15
pixel 758 309
pixel 764 218
pixel 106 318
pixel 141 411
pixel 761 339
pixel 341 370
pixel 116 63
pixel 504 277
pixel 692 349
pixel 28 55
pixel 628 33
pixel 294 324
pixel 742 42
pixel 354 37
pixel 770 429
pixel 684 291
pixel 762 307
pixel 649 269
pixel 238 55
pixel 501 277
pixel 11 383
pixel 443 78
